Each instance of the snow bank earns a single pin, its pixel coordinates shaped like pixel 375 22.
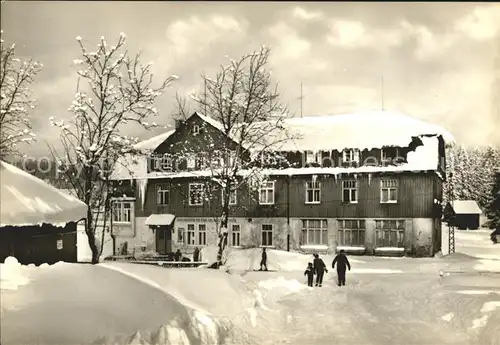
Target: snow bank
pixel 488 265
pixel 289 285
pixel 12 274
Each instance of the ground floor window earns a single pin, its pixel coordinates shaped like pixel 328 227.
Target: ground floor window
pixel 202 235
pixel 351 232
pixel 266 235
pixel 122 211
pixel 314 231
pixel 196 235
pixel 235 235
pixel 389 233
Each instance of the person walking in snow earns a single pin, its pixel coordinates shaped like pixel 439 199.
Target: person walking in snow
pixel 342 262
pixel 309 272
pixel 263 261
pixel 319 268
pixel 196 254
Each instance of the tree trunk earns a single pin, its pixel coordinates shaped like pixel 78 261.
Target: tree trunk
pixel 90 231
pixel 223 234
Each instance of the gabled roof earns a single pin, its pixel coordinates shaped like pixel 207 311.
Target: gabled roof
pixel 153 142
pixel 466 207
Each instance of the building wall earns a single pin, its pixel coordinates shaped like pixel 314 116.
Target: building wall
pixel 420 234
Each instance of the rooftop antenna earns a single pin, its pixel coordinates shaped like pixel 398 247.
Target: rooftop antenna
pixel 301 98
pixel 205 96
pixel 382 91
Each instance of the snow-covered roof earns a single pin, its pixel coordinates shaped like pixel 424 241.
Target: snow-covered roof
pixel 154 142
pixel 357 130
pixel 160 219
pixel 466 207
pixel 27 200
pixel 211 121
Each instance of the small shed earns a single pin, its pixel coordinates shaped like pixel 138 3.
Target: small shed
pixel 463 214
pixel 37 221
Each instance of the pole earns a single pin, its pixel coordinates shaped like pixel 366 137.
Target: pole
pixel 205 97
pixel 451 226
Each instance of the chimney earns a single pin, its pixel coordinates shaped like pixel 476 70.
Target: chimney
pixel 178 123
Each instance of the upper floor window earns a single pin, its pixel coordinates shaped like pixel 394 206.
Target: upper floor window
pixel 196 194
pixel 350 156
pixel 191 162
pixel 389 191
pixel 196 129
pixel 350 191
pixel 313 192
pixel 166 163
pixel 312 157
pixel 266 193
pixel 122 211
pixel 232 197
pixel 162 195
pixel 390 155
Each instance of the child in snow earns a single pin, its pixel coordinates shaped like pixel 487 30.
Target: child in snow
pixel 263 261
pixel 320 269
pixel 310 274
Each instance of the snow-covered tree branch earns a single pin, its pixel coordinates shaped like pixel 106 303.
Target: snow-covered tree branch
pixel 242 102
pixel 16 76
pixel 118 90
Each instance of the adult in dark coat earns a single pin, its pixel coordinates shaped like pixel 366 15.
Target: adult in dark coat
pixel 196 254
pixel 495 234
pixel 178 255
pixel 263 261
pixel 342 262
pixel 320 269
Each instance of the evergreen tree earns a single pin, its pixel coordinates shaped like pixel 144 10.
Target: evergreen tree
pixel 493 209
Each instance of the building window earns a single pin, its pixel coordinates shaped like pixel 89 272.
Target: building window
pixel 313 192
pixel 122 211
pixel 180 235
pixel 312 157
pixel 191 162
pixel 351 232
pixel 350 156
pixel 389 233
pixel 191 235
pixel 267 235
pixel 350 191
pixel 266 193
pixel 162 195
pixel 389 191
pixel 202 234
pixel 314 231
pixel 196 129
pixel 166 163
pixel 235 235
pixel 196 194
pixel 232 197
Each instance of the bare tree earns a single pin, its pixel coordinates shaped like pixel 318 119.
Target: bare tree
pixel 245 106
pixel 16 77
pixel 118 90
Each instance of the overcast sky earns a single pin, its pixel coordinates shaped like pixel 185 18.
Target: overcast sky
pixel 436 59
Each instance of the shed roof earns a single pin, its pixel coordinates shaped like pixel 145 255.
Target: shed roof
pixel 466 207
pixel 26 200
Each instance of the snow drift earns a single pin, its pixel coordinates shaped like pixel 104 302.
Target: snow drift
pixel 13 274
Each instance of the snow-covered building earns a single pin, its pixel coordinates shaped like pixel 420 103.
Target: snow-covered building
pixel 367 182
pixel 464 214
pixel 38 222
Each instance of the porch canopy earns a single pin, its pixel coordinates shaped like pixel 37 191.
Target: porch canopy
pixel 27 200
pixel 160 219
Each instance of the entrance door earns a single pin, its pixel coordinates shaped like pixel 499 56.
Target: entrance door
pixel 163 239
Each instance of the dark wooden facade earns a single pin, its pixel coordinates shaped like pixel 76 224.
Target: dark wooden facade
pixel 39 244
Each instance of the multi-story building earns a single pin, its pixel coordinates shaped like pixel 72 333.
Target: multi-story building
pixel 370 183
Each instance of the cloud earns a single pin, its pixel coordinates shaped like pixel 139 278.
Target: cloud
pixel 353 34
pixel 302 14
pixel 289 45
pixel 483 23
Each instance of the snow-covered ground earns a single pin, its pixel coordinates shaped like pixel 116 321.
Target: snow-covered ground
pixel 453 299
